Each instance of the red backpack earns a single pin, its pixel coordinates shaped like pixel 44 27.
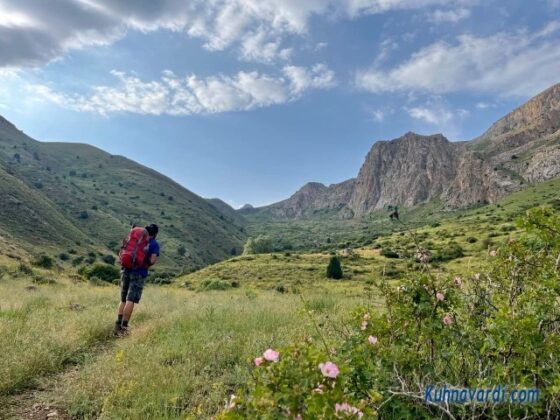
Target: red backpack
pixel 133 250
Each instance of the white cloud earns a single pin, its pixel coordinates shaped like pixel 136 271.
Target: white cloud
pixel 34 32
pixel 437 113
pixel 378 115
pixel 174 95
pixel 452 16
pixel 484 105
pixel 505 63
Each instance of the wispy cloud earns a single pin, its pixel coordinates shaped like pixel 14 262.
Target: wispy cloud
pixel 34 32
pixel 437 113
pixel 520 63
pixel 449 16
pixel 174 95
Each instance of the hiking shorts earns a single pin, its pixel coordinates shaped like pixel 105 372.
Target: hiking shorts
pixel 132 285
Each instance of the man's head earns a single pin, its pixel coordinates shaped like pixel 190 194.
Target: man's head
pixel 152 230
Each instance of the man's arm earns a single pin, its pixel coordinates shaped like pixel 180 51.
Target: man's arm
pixel 153 259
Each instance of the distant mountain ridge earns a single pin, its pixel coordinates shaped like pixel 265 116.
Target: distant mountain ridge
pixel 76 199
pixel 519 149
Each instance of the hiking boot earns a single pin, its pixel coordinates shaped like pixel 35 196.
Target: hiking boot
pixel 117 330
pixel 123 332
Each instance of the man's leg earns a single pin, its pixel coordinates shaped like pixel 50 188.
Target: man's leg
pixel 125 285
pixel 133 297
pixel 128 307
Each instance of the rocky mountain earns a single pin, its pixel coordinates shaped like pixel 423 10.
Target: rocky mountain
pixel 521 148
pixel 312 196
pixel 75 199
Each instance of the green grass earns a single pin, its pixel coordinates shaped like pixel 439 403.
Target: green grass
pixel 188 351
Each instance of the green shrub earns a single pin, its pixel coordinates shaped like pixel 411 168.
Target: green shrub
pixel 260 245
pixel 44 261
pixel 449 252
pixel 63 257
pixel 105 272
pixel 213 284
pixel 334 269
pixel 109 259
pixel 389 253
pixel 471 239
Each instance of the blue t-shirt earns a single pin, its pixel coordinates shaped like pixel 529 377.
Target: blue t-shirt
pixel 153 249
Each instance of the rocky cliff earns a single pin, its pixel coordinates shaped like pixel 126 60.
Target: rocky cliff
pixel 521 148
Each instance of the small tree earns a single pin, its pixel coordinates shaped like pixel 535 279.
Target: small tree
pixel 182 251
pixel 334 269
pixel 260 245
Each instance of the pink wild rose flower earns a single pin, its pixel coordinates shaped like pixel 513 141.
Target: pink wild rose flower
pixel 447 319
pixel 372 340
pixel 271 355
pixel 348 410
pixel 329 370
pixel 259 361
pixel 458 281
pixel 440 296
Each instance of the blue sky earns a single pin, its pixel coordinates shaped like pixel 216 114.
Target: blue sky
pixel 247 100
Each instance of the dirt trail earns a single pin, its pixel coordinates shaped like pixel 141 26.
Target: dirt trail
pixel 33 404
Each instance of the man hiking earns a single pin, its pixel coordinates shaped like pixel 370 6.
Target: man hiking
pixel 139 252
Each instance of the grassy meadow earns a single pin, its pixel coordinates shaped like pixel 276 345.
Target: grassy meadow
pixel 187 352
pixel 193 341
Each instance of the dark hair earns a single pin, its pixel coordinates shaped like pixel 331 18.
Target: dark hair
pixel 152 230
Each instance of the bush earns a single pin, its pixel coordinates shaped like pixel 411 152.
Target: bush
pixel 471 239
pixel 103 272
pixel 63 257
pixel 44 261
pixel 450 252
pixel 213 284
pixel 24 269
pixel 83 215
pixel 182 251
pixel 389 253
pixel 478 330
pixel 109 259
pixel 260 245
pixel 334 269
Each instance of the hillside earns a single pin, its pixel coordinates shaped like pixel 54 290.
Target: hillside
pixel 383 251
pixel 75 198
pixel 521 148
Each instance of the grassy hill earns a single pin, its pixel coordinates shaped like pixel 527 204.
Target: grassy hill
pixel 77 199
pixel 458 242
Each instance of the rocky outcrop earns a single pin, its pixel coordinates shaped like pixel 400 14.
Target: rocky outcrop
pixel 521 148
pixel 311 197
pixel 405 171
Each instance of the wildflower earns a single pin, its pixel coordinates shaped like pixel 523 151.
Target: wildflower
pixel 319 389
pixel 372 340
pixel 493 253
pixel 477 276
pixel 271 355
pixel 259 361
pixel 348 410
pixel 366 316
pixel 298 417
pixel 440 296
pixel 230 405
pixel 364 325
pixel 329 370
pixel 447 320
pixel 458 281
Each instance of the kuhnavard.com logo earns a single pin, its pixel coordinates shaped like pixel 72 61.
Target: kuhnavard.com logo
pixel 495 395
